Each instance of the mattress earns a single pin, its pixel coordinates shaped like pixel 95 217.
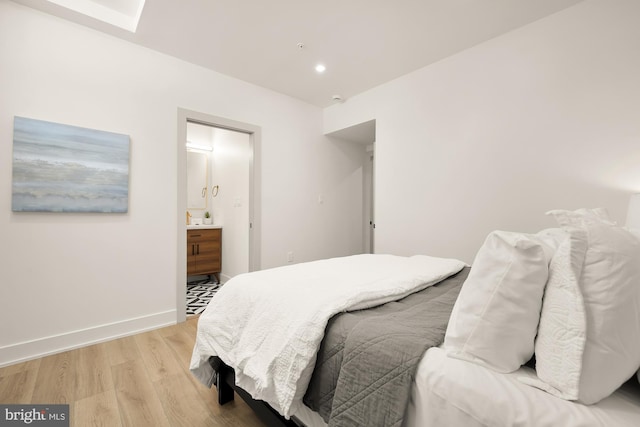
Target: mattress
pixel 452 392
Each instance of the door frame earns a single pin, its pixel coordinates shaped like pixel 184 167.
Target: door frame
pixel 370 197
pixel 254 132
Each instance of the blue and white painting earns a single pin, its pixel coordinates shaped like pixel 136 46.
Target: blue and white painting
pixel 62 168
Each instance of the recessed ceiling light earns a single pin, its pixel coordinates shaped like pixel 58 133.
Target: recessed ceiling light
pixel 320 68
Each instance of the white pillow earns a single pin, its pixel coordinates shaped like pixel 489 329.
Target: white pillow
pixel 495 318
pixel 586 353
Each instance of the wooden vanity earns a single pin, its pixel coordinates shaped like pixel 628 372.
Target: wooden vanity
pixel 204 250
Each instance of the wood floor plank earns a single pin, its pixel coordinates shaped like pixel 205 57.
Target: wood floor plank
pixel 169 330
pixel 122 350
pixel 138 403
pixel 182 346
pixel 191 325
pixel 20 367
pixel 93 371
pixel 156 356
pixel 182 403
pixel 18 388
pixel 56 379
pixel 99 410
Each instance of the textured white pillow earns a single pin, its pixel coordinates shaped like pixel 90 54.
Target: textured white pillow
pixel 495 318
pixel 553 237
pixel 562 329
pixel 607 284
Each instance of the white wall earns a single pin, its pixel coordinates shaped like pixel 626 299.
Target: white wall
pixel 544 117
pixel 69 279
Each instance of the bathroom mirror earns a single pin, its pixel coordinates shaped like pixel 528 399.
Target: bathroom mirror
pixel 197 167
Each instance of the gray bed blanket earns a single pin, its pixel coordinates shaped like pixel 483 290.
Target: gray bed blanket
pixel 368 359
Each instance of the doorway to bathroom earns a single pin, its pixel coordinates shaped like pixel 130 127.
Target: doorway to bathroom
pixel 218 192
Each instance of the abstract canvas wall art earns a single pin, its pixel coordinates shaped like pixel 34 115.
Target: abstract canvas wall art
pixel 62 168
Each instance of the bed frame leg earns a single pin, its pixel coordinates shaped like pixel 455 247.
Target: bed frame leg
pixel 225 391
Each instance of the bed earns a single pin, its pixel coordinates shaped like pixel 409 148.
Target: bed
pixel 436 353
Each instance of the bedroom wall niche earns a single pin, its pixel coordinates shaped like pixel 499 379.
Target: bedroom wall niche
pixel 362 138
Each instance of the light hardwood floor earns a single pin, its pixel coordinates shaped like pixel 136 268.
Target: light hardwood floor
pixel 137 381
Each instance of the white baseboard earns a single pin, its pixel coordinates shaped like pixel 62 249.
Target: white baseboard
pixel 27 350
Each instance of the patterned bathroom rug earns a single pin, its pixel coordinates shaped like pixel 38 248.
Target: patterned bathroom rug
pixel 198 296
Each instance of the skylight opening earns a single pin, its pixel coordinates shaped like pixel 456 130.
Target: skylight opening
pixel 124 14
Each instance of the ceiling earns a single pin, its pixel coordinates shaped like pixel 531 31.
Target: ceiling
pixel 362 43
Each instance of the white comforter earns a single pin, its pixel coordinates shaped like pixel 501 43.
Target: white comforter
pixel 268 324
